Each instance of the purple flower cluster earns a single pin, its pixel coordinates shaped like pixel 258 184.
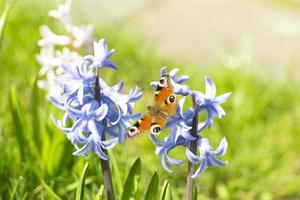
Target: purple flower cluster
pixel 181 125
pixel 96 125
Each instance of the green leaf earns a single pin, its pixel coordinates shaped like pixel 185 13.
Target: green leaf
pixel 163 190
pixel 13 189
pixel 100 193
pixel 130 186
pixel 116 172
pixel 195 194
pixel 73 186
pixel 18 117
pixel 152 188
pixel 50 191
pixel 59 152
pixel 3 19
pixel 80 186
pixel 166 192
pixel 35 116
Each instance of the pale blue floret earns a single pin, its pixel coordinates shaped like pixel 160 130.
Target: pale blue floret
pixel 101 57
pixel 209 103
pixel 207 157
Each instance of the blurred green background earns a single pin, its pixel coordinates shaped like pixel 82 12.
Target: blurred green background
pixel 260 65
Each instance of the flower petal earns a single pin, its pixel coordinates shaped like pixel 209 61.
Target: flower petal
pixel 109 64
pixel 183 90
pixel 173 161
pixel 210 88
pixel 201 126
pixel 164 164
pixel 154 84
pixel 93 128
pixel 222 98
pixel 188 114
pixel 216 162
pixel 83 150
pixel 118 87
pixel 192 157
pixel 182 79
pixel 156 141
pixel 201 169
pixel 173 72
pixel 220 111
pixel 80 95
pixel 179 109
pixel 163 71
pixel 101 112
pixel 221 150
pixel 109 144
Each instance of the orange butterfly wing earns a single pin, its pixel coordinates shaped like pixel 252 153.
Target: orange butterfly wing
pixel 162 98
pixel 165 101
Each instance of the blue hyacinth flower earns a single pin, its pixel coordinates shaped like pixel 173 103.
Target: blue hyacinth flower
pixel 96 125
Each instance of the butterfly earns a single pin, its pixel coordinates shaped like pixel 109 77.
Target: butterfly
pixel 158 114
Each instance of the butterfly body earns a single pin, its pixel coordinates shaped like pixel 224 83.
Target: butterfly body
pixel 158 114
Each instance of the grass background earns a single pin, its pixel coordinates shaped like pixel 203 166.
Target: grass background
pixel 261 125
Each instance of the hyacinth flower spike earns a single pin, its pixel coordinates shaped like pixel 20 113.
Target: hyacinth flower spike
pixel 81 103
pixel 186 130
pixel 99 113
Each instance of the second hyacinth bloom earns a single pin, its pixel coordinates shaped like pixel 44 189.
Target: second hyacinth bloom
pixel 180 125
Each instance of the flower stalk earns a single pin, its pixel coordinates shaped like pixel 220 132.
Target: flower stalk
pixel 193 149
pixel 105 168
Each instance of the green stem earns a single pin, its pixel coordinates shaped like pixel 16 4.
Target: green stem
pixel 193 149
pixel 106 172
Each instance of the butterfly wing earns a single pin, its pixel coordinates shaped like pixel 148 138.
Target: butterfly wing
pixel 156 119
pixel 140 126
pixel 147 123
pixel 165 105
pixel 164 95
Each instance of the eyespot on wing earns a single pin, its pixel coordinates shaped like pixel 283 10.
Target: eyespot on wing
pixel 155 129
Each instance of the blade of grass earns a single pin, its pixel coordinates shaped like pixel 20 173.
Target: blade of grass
pixel 163 190
pixel 130 184
pixel 80 187
pixel 195 194
pixel 169 195
pixel 3 19
pixel 35 116
pixel 73 186
pixel 13 190
pixel 100 193
pixel 166 193
pixel 116 171
pixel 152 188
pixel 50 191
pixel 18 120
